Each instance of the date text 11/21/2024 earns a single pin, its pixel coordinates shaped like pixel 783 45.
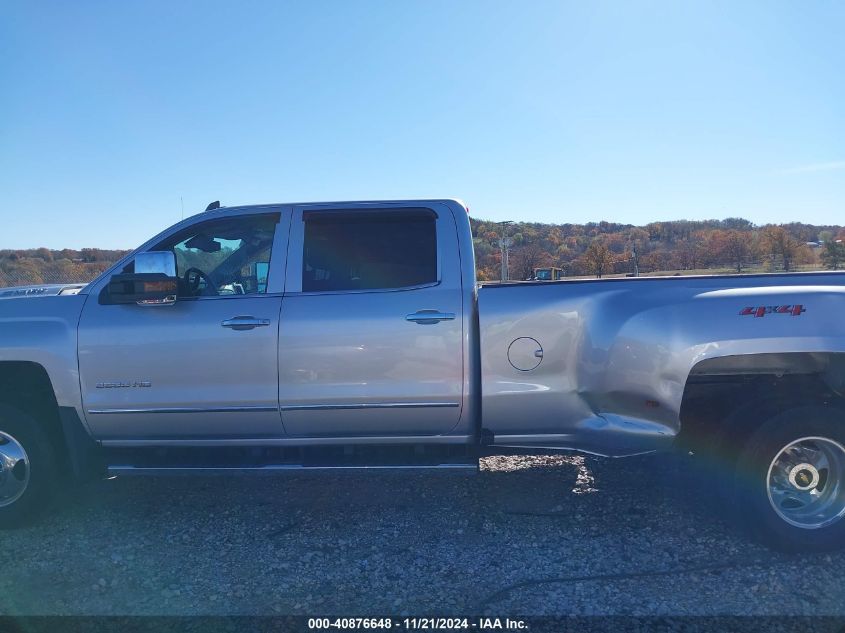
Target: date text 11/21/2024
pixel 418 624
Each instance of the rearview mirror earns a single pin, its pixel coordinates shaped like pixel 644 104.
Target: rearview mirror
pixel 204 243
pixel 154 281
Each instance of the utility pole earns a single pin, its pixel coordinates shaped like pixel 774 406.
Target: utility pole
pixel 504 245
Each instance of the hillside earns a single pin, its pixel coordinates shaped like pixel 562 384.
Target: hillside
pixel 604 248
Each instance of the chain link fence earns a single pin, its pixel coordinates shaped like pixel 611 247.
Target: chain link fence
pixel 28 272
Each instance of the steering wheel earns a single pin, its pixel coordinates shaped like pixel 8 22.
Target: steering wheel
pixel 192 278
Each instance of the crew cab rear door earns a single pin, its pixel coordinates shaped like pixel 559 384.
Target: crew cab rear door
pixel 370 339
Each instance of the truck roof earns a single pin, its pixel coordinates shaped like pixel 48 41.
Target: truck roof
pixel 329 203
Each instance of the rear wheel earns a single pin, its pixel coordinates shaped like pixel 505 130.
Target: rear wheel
pixel 790 479
pixel 27 467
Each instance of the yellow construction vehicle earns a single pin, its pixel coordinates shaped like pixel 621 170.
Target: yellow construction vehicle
pixel 548 274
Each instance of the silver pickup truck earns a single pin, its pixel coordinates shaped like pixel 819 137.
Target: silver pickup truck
pixel 354 334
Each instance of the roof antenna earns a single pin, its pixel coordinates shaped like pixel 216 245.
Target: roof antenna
pixel 214 205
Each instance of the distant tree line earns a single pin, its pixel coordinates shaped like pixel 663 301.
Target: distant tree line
pixel 592 249
pixel 605 248
pixel 45 266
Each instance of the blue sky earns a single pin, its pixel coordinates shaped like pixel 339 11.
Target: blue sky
pixel 111 112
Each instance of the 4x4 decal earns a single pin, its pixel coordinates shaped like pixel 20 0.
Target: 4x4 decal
pixel 761 311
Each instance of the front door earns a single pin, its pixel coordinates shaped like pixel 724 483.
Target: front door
pixel 371 330
pixel 206 366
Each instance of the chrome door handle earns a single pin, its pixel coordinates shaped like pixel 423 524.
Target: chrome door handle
pixel 245 323
pixel 428 317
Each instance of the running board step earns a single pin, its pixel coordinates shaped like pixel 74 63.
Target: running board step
pixel 269 458
pixel 123 470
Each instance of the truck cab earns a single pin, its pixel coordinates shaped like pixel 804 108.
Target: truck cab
pixel 322 322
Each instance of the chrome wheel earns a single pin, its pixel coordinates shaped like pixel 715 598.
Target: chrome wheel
pixel 805 482
pixel 14 470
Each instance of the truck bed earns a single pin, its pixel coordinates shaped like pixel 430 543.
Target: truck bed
pixel 602 364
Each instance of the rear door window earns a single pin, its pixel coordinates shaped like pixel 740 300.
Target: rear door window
pixel 349 250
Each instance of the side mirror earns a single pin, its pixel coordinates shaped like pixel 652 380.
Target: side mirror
pixel 154 281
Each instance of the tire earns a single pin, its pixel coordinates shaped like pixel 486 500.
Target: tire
pixel 789 480
pixel 28 475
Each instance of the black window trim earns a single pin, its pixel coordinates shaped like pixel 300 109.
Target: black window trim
pixel 361 212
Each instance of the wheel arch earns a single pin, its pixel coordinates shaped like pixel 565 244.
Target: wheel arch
pixel 26 385
pixel 726 398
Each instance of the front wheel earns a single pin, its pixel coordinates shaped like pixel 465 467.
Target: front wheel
pixel 790 479
pixel 27 467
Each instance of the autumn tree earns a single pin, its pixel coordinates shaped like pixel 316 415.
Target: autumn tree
pixel 688 252
pixel 737 248
pixel 656 260
pixel 525 259
pixel 598 258
pixel 781 245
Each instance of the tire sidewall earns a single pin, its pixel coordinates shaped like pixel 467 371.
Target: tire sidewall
pixel 27 431
pixel 752 471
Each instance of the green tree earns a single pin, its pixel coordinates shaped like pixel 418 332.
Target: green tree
pixel 833 255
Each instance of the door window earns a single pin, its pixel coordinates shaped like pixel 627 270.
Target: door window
pixel 367 251
pixel 223 257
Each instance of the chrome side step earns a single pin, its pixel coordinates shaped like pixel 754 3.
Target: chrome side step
pixel 124 470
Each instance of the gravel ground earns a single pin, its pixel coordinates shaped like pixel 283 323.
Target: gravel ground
pixel 527 535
